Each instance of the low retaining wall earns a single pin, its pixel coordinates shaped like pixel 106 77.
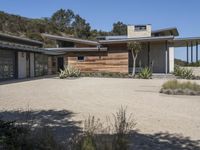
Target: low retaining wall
pixel 196 70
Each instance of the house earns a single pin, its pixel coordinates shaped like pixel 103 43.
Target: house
pixel 23 58
pixel 110 53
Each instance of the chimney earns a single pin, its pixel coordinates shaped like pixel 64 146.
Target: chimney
pixel 135 31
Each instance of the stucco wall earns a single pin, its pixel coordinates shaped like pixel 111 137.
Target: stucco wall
pixel 171 59
pixel 21 65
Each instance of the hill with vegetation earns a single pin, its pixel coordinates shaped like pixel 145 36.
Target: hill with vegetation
pixel 62 22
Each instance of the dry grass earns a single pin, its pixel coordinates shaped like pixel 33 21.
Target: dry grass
pixel 174 84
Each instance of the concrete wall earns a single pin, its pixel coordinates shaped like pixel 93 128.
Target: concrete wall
pixel 32 69
pixel 171 59
pixel 132 33
pixel 21 65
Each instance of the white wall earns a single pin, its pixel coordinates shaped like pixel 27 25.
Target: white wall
pixel 21 65
pixel 171 59
pixel 32 72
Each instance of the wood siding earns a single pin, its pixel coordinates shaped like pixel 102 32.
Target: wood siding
pixel 114 62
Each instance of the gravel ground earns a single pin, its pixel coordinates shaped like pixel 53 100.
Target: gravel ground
pixel 153 112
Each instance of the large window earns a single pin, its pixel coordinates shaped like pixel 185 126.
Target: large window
pixel 7 64
pixel 41 65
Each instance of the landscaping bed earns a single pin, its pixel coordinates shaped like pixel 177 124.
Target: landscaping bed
pixel 174 87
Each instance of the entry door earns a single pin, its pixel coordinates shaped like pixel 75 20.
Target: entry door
pixel 60 63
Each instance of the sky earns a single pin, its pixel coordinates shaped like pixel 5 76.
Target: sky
pixel 101 14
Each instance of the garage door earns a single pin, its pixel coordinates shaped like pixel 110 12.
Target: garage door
pixel 7 64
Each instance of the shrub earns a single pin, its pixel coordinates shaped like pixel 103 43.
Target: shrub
pixel 69 71
pixel 178 88
pixel 105 74
pixel 145 73
pixel 183 73
pixel 123 126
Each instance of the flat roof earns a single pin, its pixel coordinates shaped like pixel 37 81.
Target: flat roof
pixel 20 40
pixel 71 39
pixel 186 41
pixel 142 39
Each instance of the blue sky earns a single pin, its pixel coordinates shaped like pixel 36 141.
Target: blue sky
pixel 101 14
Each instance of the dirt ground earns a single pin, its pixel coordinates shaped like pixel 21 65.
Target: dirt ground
pixel 153 112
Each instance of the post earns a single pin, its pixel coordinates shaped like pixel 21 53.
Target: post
pixel 191 52
pixel 166 57
pixel 187 53
pixel 148 54
pixel 197 53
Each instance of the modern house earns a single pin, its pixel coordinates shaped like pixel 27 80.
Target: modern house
pixel 22 58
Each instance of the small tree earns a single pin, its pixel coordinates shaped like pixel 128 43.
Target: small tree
pixel 135 48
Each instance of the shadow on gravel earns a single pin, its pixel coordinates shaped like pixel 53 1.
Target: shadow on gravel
pixel 63 128
pixel 59 122
pixel 163 141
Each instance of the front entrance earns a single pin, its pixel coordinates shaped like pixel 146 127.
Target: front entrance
pixel 60 63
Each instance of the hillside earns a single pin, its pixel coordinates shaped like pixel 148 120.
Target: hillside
pixel 62 22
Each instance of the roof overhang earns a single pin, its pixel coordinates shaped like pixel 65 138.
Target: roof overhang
pixel 184 42
pixel 143 39
pixel 71 39
pixel 19 47
pixel 167 32
pixel 75 49
pixel 19 40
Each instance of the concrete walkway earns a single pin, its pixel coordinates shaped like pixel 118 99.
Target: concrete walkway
pixel 153 112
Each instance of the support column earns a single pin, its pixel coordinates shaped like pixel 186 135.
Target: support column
pixel 187 53
pixel 148 54
pixel 191 52
pixel 197 52
pixel 166 57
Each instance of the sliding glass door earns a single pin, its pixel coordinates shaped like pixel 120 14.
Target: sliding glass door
pixel 7 64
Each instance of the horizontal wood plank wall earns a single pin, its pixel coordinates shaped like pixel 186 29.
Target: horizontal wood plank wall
pixel 115 61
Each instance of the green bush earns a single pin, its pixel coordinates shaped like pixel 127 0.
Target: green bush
pixel 69 71
pixel 183 73
pixel 145 73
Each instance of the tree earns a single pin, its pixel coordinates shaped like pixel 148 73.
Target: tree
pixel 63 18
pixel 119 28
pixel 135 48
pixel 81 27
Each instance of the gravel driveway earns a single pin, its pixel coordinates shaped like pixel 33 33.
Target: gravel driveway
pixel 154 112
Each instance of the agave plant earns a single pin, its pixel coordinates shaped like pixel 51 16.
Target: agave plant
pixel 69 71
pixel 145 73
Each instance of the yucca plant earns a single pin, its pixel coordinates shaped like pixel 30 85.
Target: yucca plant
pixel 145 73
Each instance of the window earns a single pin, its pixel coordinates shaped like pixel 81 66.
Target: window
pixel 140 28
pixel 80 58
pixel 41 65
pixel 7 64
